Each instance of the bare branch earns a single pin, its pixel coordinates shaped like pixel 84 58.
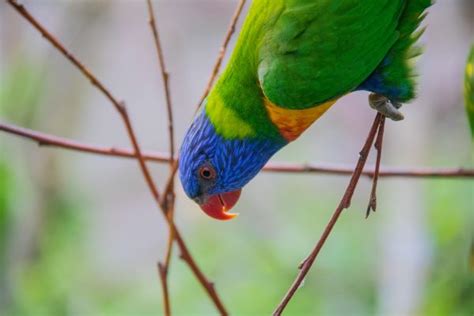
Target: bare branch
pixel 378 146
pixel 345 203
pixel 47 140
pixel 169 197
pixel 164 76
pixel 385 172
pixel 163 273
pixel 276 167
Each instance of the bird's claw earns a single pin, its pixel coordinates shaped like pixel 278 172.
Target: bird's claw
pixel 384 106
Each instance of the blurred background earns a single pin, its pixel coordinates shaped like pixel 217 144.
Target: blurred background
pixel 80 234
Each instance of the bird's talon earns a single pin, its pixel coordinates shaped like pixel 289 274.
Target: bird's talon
pixel 384 106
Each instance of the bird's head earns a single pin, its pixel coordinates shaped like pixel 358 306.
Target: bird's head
pixel 213 170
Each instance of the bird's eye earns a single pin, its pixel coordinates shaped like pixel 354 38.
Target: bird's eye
pixel 207 173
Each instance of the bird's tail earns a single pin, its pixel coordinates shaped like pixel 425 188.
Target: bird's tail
pixel 398 68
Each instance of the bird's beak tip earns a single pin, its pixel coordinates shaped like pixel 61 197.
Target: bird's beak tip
pixel 218 206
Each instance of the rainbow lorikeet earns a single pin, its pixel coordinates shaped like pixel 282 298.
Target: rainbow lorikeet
pixel 293 60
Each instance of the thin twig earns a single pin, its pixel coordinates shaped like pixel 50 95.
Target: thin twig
pixel 378 146
pixel 47 140
pixel 169 194
pixel 164 75
pixel 121 109
pixel 385 172
pixel 44 139
pixel 163 274
pixel 344 204
pixel 169 188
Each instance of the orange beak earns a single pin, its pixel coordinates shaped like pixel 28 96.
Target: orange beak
pixel 218 206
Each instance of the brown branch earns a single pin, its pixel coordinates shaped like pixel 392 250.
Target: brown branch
pixel 344 204
pixel 169 196
pixel 169 188
pixel 174 166
pixel 385 172
pixel 47 140
pixel 163 274
pixel 378 146
pixel 121 109
pixel 164 75
pixel 276 167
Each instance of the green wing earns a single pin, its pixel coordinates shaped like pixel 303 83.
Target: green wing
pixel 320 50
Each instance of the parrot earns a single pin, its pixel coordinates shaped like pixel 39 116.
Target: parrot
pixel 292 61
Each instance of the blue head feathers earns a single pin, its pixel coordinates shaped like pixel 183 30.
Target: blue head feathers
pixel 211 165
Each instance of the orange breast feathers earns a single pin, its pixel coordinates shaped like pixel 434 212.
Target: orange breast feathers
pixel 292 123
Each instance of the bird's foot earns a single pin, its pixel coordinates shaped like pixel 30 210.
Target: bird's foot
pixel 385 106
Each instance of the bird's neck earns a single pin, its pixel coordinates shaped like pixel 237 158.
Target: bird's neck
pixel 236 108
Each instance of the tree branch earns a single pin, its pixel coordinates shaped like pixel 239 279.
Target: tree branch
pixel 344 204
pixel 47 140
pixel 169 196
pixel 164 75
pixel 378 146
pixel 43 139
pixel 385 172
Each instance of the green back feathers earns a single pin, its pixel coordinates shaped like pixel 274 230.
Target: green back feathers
pixel 321 50
pixel 469 90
